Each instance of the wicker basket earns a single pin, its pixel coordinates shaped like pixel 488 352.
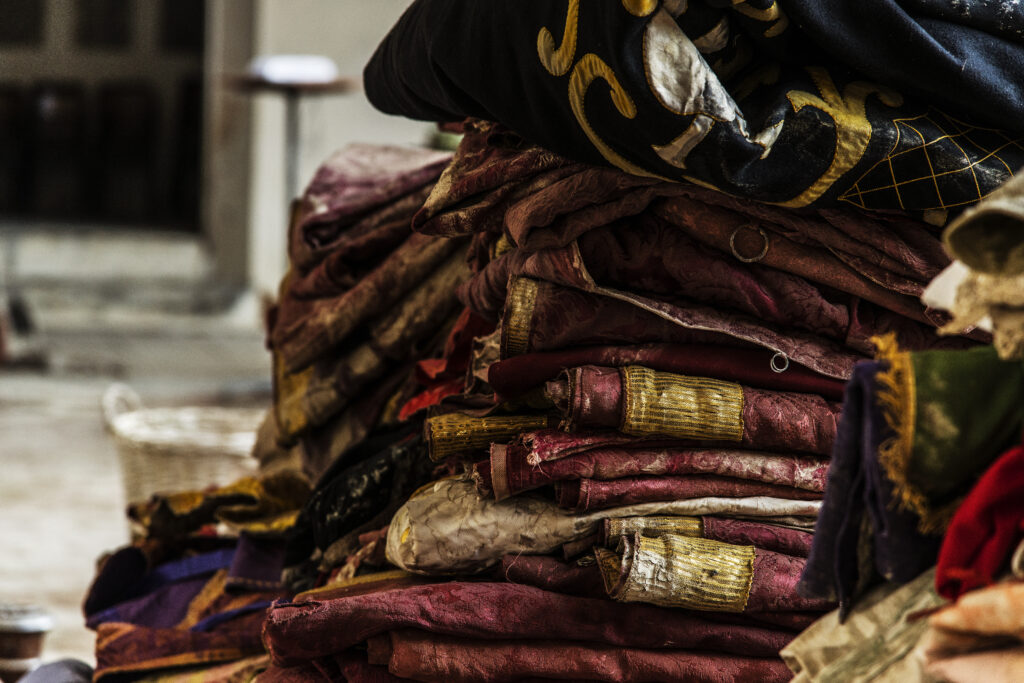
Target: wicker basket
pixel 178 449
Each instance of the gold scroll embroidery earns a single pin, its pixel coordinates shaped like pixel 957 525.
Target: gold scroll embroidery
pixel 589 68
pixel 558 60
pixel 853 130
pixel 457 434
pixel 522 297
pixel 773 13
pixel 680 571
pixel 640 8
pixel 665 404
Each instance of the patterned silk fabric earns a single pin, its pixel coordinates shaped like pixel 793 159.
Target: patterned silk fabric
pixel 736 97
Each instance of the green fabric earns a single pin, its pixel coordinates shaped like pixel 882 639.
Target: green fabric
pixel 969 409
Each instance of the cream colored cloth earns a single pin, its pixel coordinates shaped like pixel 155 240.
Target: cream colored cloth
pixel 978 638
pixel 873 644
pixel 448 528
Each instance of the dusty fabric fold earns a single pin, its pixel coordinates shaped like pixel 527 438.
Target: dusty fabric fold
pixel 508 471
pixel 642 402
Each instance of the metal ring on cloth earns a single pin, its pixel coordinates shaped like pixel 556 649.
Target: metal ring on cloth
pixel 780 367
pixel 748 259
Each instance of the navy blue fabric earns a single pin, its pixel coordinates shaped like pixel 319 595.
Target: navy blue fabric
pixel 861 536
pixel 966 56
pixel 902 85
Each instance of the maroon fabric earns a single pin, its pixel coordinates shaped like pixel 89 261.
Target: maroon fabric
pixel 356 669
pixel 552 574
pixel 545 445
pixel 584 495
pixel 772 420
pixel 491 169
pixel 618 462
pixel 766 536
pixel 354 190
pixel 751 367
pixel 985 529
pixel 564 317
pixel 444 659
pixel 332 320
pixel 774 586
pixel 294 632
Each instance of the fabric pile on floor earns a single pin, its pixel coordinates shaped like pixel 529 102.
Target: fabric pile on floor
pixel 569 399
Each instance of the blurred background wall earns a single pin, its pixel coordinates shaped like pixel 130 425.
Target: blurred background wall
pixel 118 117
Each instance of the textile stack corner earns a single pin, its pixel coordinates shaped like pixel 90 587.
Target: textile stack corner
pixel 637 384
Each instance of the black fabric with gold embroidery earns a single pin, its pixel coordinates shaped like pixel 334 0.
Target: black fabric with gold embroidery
pixel 732 95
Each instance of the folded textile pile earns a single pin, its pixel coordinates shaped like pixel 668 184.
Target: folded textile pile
pixel 186 600
pixel 650 421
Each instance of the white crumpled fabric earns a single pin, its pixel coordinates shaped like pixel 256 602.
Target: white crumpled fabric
pixel 448 528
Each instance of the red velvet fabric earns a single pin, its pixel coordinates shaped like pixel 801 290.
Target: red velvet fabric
pixel 985 528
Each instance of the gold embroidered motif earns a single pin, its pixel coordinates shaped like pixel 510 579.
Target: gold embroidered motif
pixel 640 8
pixel 610 565
pixel 557 61
pixel 587 69
pixel 773 13
pixel 651 526
pixel 853 130
pixel 522 297
pixel 457 434
pixel 680 571
pixel 665 404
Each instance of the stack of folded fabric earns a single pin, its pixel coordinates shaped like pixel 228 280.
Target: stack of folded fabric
pixel 650 422
pixel 188 597
pixel 570 398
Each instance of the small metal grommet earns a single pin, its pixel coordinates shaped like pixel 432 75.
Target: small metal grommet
pixel 748 259
pixel 778 366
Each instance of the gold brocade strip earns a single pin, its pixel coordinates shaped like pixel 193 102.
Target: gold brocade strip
pixel 458 434
pixel 694 573
pixel 617 527
pixel 522 296
pixel 665 404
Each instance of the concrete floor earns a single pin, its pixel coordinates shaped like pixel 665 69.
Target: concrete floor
pixel 61 502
